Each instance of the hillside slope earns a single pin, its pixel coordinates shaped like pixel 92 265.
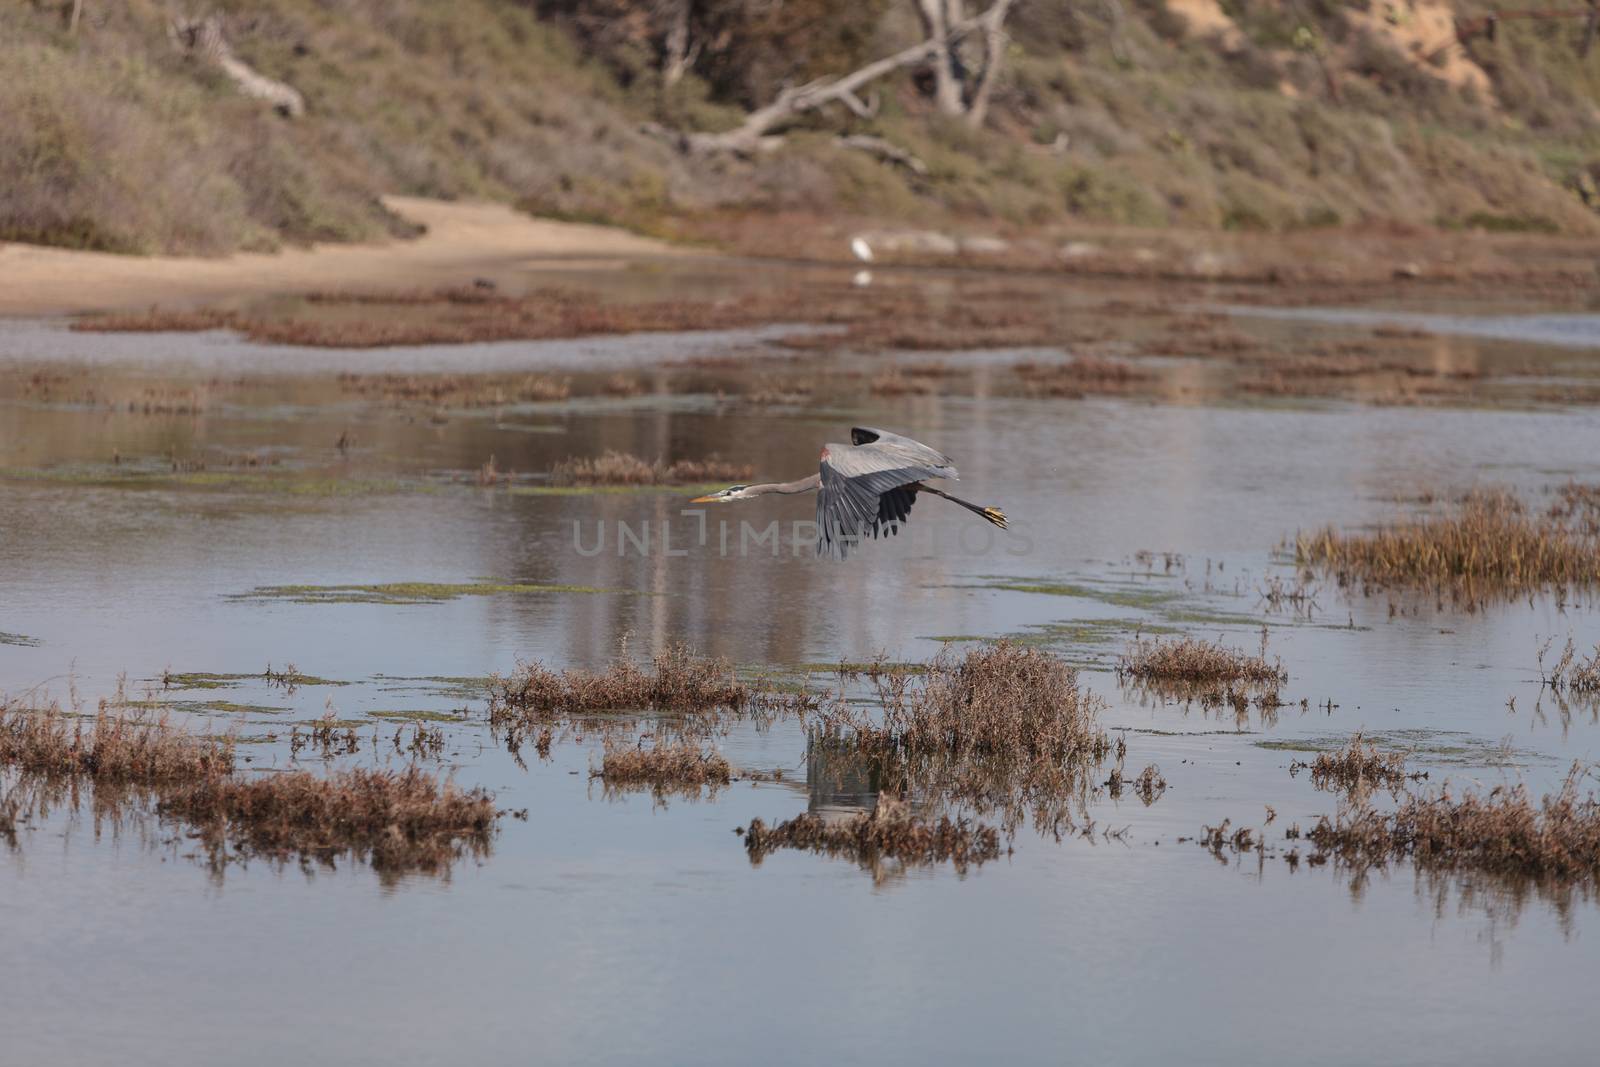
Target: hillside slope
pixel 1192 113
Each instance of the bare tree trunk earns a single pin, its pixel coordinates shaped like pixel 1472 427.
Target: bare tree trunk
pixel 77 12
pixel 936 23
pixel 994 54
pixel 675 63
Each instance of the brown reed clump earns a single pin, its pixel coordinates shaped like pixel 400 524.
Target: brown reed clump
pixel 668 767
pixel 621 468
pixel 1569 674
pixel 1004 729
pixel 1357 768
pixel 676 679
pixel 1189 659
pixel 888 832
pixel 399 822
pixel 1491 545
pixel 141 751
pixel 1500 833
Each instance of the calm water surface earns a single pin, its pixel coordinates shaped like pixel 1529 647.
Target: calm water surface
pixel 621 931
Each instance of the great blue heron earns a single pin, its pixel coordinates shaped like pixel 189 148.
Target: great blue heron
pixel 864 487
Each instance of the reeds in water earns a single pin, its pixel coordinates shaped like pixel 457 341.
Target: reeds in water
pixel 400 822
pixel 889 832
pixel 621 468
pixel 679 767
pixel 1491 545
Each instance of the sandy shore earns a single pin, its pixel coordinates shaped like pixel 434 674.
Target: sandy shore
pixel 464 240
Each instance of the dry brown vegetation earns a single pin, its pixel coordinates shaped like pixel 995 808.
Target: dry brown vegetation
pixel 1357 768
pixel 457 390
pixel 669 766
pixel 889 832
pixel 400 822
pixel 454 316
pixel 1189 659
pixel 1004 729
pixel 677 679
pixel 1501 833
pixel 621 468
pixel 1490 545
pixel 1569 674
pixel 1083 376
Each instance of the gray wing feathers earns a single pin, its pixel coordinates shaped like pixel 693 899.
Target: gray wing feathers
pixel 855 477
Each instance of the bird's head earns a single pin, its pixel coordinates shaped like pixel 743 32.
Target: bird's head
pixel 723 496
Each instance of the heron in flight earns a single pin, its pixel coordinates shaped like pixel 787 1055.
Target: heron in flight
pixel 865 487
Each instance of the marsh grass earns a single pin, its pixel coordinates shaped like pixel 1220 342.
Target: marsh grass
pixel 1004 729
pixel 1357 768
pixel 1491 545
pixel 1569 674
pixel 453 316
pixel 1189 659
pixel 399 822
pixel 677 678
pixel 668 767
pixel 1501 833
pixel 891 831
pixel 1188 669
pixel 1083 376
pixel 621 468
pixel 463 391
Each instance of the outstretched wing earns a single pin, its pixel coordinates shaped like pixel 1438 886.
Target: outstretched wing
pixel 869 486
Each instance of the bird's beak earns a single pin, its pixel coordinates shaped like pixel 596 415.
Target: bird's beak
pixel 704 499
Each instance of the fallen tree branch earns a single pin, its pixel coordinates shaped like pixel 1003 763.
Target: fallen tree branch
pixel 755 133
pixel 203 38
pixel 889 153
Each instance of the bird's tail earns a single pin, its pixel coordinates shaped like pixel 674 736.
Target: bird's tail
pixel 994 515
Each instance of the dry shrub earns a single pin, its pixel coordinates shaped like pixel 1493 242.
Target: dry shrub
pixel 400 822
pixel 668 767
pixel 1501 833
pixel 621 468
pixel 1005 729
pixel 1357 768
pixel 677 679
pixel 1491 545
pixel 888 832
pixel 1188 659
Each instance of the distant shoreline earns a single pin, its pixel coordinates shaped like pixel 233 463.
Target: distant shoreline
pixel 463 240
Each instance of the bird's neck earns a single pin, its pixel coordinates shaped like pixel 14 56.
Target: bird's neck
pixel 803 485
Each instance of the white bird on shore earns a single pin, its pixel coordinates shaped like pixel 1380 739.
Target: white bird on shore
pixel 861 249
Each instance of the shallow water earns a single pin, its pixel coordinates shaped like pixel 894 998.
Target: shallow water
pixel 622 931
